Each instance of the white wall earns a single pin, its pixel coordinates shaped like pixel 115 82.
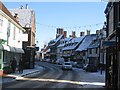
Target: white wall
pixel 17 41
pixel 3 29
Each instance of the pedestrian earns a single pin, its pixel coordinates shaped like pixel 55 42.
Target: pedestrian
pixel 20 65
pixel 13 65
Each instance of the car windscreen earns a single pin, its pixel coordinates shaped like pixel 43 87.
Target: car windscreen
pixel 67 64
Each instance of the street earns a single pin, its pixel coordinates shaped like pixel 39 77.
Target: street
pixel 54 77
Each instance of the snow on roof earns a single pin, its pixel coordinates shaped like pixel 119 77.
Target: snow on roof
pixel 55 40
pixel 25 16
pixel 59 38
pixel 74 42
pixel 94 45
pixel 64 40
pixel 86 42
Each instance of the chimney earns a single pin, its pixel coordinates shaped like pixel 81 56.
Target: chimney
pixel 82 33
pixel 26 6
pixel 65 34
pixel 88 32
pixel 73 34
pixel 61 31
pixel 98 32
pixel 57 33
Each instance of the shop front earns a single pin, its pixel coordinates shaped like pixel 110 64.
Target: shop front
pixel 111 63
pixel 7 53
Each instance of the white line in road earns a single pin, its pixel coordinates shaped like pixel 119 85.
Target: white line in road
pixel 63 81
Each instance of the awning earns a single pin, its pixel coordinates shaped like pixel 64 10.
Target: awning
pixel 19 50
pixel 11 49
pixel 4 47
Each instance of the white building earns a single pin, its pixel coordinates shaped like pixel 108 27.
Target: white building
pixel 11 37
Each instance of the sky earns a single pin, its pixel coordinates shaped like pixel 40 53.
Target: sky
pixel 71 16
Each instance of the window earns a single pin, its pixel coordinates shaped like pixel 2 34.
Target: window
pixel 14 32
pixel 8 29
pixel 83 53
pixel 1 22
pixel 96 50
pixel 60 50
pixel 90 51
pixel 111 21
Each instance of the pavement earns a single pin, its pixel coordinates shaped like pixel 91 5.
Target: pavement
pixel 13 76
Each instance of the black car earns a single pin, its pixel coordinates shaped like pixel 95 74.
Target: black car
pixel 90 67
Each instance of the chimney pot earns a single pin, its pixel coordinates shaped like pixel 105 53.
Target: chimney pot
pixel 65 34
pixel 73 34
pixel 88 32
pixel 82 33
pixel 26 6
pixel 59 32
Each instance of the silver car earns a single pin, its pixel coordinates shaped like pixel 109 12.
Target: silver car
pixel 67 65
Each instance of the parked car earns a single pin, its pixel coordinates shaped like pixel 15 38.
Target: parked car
pixel 67 65
pixel 90 67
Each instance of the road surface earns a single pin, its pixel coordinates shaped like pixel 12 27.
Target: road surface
pixel 54 77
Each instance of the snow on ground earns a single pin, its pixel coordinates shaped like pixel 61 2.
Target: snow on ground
pixel 91 79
